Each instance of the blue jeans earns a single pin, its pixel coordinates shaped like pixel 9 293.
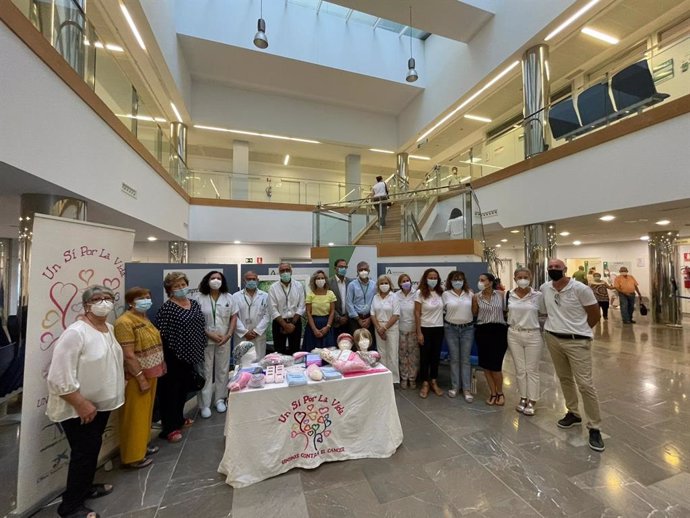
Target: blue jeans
pixel 459 340
pixel 627 306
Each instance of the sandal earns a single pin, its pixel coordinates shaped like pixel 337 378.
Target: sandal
pixel 174 436
pixel 151 450
pixel 146 461
pixel 500 399
pixel 188 422
pixel 83 512
pixel 492 400
pixel 99 490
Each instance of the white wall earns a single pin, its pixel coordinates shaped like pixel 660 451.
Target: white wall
pixel 50 133
pixel 646 167
pixel 221 253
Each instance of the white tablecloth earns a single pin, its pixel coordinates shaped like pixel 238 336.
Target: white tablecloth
pixel 271 430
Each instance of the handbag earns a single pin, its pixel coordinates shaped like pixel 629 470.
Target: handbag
pixel 643 310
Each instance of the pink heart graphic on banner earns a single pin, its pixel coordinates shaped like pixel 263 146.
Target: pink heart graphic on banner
pixel 293 434
pixel 327 433
pixel 62 296
pixel 310 408
pixel 50 319
pixel 87 275
pixel 323 410
pixel 47 340
pixel 113 283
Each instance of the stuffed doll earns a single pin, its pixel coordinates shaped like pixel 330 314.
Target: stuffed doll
pixel 362 340
pixel 344 359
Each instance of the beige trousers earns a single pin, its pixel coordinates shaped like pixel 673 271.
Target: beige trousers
pixel 572 360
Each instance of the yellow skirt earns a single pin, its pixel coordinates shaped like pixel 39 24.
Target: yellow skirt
pixel 135 421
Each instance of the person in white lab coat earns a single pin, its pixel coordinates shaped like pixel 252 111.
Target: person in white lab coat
pixel 252 317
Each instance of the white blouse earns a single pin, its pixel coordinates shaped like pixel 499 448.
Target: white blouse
pixel 406 322
pixel 89 361
pixel 432 309
pixel 523 313
pixel 217 313
pixel 458 307
pixel 382 309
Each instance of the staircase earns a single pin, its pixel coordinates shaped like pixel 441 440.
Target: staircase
pixel 389 234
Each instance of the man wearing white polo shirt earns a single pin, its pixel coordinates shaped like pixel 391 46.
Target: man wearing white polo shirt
pixel 572 312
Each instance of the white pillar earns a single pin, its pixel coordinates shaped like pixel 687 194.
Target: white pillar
pixel 240 170
pixel 353 176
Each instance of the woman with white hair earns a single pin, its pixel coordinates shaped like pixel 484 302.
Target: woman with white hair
pixel 86 381
pixel 385 313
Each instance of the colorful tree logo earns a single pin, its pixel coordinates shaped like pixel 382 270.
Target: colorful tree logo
pixel 313 425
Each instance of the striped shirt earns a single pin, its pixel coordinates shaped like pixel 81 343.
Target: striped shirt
pixel 491 311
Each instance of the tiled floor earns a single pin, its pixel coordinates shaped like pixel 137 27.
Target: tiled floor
pixel 468 460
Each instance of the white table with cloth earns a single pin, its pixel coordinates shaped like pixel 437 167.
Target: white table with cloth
pixel 274 429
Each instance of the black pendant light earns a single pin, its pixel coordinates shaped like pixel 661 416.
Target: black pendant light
pixel 411 72
pixel 260 39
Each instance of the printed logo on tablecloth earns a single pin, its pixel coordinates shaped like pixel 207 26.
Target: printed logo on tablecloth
pixel 311 423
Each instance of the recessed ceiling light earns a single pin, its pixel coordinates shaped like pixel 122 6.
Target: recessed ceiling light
pixel 287 160
pixel 331 243
pixel 114 48
pixel 600 35
pixel 237 242
pixel 132 26
pixel 577 243
pixel 504 240
pixel 515 231
pixel 177 113
pixel 498 245
pixel 386 151
pixel 608 217
pixel 644 238
pixel 570 20
pixel 477 118
pixel 471 98
pixel 564 233
pixel 663 222
pixel 255 134
pixel 152 238
pixel 418 157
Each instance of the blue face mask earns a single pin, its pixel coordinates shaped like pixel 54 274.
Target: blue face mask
pixel 342 271
pixel 182 293
pixel 432 283
pixel 143 305
pixel 457 285
pixel 286 276
pixel 252 285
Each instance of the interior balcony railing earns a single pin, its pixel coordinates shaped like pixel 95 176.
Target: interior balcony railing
pixel 424 213
pixel 640 79
pixel 100 61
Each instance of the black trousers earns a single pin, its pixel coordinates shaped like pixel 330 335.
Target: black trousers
pixel 85 441
pixel 172 394
pixel 354 325
pixel 287 344
pixel 604 305
pixel 430 353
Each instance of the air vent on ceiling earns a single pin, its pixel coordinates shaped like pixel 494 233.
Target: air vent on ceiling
pixel 129 191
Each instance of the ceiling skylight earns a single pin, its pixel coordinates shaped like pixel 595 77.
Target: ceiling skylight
pixel 350 15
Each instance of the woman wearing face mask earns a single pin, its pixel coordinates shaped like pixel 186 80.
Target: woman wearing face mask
pixel 488 305
pixel 85 383
pixel 385 312
pixel 428 313
pixel 525 339
pixel 220 312
pixel 142 349
pixel 601 293
pixel 408 349
pixel 183 330
pixel 320 304
pixel 459 333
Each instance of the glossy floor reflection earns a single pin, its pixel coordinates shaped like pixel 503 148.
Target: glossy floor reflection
pixel 469 460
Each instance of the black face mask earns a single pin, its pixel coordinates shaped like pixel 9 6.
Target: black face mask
pixel 555 275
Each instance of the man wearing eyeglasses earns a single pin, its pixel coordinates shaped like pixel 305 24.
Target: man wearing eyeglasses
pixel 572 312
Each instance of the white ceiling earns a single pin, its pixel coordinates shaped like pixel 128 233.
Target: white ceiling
pixel 251 70
pixel 452 19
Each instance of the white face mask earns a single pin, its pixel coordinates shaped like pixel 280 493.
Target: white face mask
pixel 481 286
pixel 320 283
pixel 523 283
pixel 384 288
pixel 102 308
pixel 215 284
pixel 364 344
pixel 363 274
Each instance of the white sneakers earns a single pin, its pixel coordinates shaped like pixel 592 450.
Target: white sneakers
pixel 452 393
pixel 206 412
pixel 220 406
pixel 469 397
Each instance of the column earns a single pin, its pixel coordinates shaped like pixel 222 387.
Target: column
pixel 240 170
pixel 540 246
pixel 665 306
pixel 31 204
pixel 5 266
pixel 353 177
pixel 535 91
pixel 178 252
pixel 178 151
pixel 403 161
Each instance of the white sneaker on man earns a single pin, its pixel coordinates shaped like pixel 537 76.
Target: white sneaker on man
pixel 220 406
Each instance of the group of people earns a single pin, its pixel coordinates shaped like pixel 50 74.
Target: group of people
pixel 97 367
pixel 624 287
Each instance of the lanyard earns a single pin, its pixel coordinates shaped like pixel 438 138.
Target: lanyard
pixel 249 304
pixel 286 293
pixel 364 292
pixel 213 308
